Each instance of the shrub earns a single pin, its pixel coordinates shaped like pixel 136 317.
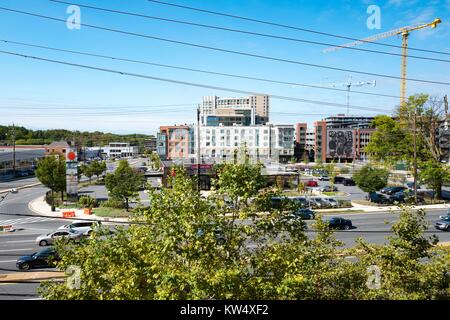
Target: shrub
pixel 113 203
pixel 345 170
pixel 87 202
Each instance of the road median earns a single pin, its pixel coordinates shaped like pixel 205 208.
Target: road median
pixel 31 276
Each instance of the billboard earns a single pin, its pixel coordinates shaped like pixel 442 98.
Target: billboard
pixel 340 143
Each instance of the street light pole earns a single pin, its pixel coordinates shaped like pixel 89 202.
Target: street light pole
pixel 415 155
pixel 198 148
pixel 14 150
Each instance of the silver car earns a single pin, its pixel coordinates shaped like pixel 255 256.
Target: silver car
pixel 49 238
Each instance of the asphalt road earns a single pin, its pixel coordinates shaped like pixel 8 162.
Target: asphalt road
pixel 21 242
pixel 375 227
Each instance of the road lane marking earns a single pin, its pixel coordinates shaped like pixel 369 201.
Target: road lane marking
pixel 20 241
pixel 8 261
pixel 9 250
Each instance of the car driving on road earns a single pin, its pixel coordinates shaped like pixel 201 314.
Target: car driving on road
pixel 49 238
pixel 41 259
pixel 83 227
pixel 340 223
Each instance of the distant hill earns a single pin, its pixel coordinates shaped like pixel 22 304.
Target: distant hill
pixel 26 136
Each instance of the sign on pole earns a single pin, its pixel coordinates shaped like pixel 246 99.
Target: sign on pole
pixel 71 172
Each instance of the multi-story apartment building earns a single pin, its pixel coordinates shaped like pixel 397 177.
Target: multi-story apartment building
pixel 342 138
pixel 244 111
pixel 310 140
pixel 150 144
pixel 261 141
pixel 300 140
pixel 178 141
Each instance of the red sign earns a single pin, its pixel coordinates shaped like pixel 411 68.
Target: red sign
pixel 71 156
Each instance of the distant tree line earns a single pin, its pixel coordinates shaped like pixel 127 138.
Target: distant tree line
pixel 26 136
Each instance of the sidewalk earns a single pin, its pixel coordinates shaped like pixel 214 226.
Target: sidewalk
pixel 372 209
pixel 41 207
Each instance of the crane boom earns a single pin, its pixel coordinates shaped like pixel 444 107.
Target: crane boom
pixel 404 31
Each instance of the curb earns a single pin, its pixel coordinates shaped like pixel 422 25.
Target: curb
pixel 58 215
pixel 31 276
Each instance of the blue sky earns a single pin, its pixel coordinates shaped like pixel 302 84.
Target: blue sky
pixel 41 95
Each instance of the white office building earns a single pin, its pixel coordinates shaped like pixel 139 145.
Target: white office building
pixel 119 150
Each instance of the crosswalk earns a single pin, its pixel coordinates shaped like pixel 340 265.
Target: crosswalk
pixel 15 222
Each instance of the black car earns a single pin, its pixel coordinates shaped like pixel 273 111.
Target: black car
pixel 340 223
pixel 349 182
pixel 339 180
pixel 379 198
pixel 41 259
pixel 406 196
pixel 392 190
pixel 304 214
pixel 443 224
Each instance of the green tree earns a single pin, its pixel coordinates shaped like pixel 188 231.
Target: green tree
pixel 370 179
pixel 390 143
pixel 124 183
pixel 155 161
pixel 51 172
pixel 435 174
pixel 97 168
pixel 88 171
pixel 411 266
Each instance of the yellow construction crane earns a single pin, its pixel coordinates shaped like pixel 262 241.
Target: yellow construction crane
pixel 405 31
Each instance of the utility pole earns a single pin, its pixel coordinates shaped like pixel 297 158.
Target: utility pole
pixel 14 150
pixel 198 148
pixel 415 155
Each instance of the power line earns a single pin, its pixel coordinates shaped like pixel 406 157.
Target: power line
pixel 134 14
pixel 293 27
pixel 192 84
pixel 190 44
pixel 194 70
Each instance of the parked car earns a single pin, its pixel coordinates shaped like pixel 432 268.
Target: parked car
pixel 443 224
pixel 305 214
pixel 83 227
pixel 340 223
pixel 392 190
pixel 406 196
pixel 49 238
pixel 379 198
pixel 302 201
pixel 312 183
pixel 316 203
pixel 349 182
pixel 14 190
pixel 331 202
pixel 41 259
pixel 339 180
pixel 324 178
pixel 328 189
